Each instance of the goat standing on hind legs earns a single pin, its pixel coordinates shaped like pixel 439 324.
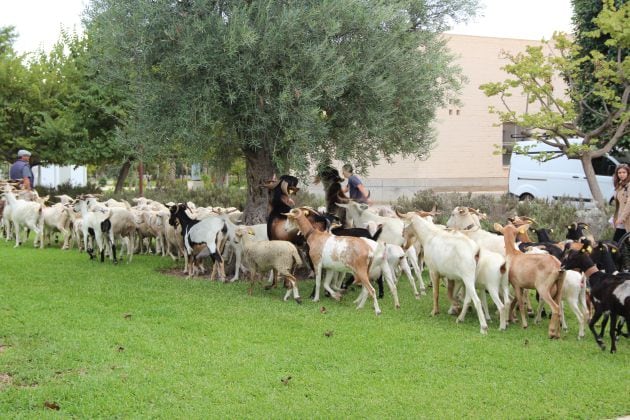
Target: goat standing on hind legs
pixel 534 271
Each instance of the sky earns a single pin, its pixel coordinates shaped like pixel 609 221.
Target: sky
pixel 39 22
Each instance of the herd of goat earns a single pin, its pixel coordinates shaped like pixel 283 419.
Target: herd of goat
pixel 349 237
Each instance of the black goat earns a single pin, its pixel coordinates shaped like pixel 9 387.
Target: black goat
pixel 575 231
pixel 609 292
pixel 331 180
pixel 602 255
pixel 544 235
pixel 280 202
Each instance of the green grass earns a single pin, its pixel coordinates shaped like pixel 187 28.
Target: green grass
pixel 127 341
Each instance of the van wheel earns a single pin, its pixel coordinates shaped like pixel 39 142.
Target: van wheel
pixel 526 197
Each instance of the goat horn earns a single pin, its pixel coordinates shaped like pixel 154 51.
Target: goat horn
pixel 399 214
pixel 270 185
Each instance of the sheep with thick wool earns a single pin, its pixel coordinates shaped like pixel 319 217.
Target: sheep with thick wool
pixel 259 257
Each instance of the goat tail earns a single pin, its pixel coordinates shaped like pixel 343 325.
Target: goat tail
pixel 503 268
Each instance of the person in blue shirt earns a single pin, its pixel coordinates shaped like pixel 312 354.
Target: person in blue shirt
pixel 21 170
pixel 355 188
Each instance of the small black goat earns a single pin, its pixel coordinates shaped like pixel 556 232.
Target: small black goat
pixel 609 292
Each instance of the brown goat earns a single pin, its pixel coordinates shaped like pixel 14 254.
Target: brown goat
pixel 534 271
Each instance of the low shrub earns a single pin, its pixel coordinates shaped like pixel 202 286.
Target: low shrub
pixel 210 196
pixel 69 189
pixel 556 214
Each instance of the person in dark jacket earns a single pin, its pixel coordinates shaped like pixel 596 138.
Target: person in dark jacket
pixel 355 187
pixel 21 170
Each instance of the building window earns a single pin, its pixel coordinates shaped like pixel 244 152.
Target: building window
pixel 511 134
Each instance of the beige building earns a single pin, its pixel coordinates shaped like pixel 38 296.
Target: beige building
pixel 465 156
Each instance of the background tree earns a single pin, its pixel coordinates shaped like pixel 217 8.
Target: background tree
pixel 561 117
pixel 584 11
pixel 53 106
pixel 283 83
pixel 19 95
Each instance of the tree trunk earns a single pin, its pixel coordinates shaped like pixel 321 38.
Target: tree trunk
pixel 122 176
pixel 258 169
pixel 591 179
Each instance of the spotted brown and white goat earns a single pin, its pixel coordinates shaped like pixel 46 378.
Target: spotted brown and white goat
pixel 336 253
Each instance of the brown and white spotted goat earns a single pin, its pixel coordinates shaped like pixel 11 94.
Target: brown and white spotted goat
pixel 336 253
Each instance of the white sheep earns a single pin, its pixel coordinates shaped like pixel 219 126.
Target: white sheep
pixel 261 256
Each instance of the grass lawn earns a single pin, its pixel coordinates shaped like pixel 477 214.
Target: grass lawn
pixel 100 340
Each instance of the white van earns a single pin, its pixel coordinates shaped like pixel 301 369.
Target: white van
pixel 559 177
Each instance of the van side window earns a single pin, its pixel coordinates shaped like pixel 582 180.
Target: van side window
pixel 603 166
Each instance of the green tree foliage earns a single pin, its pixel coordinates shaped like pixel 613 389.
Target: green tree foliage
pixel 52 105
pixel 282 83
pixel 561 115
pixel 584 13
pixel 78 118
pixel 18 93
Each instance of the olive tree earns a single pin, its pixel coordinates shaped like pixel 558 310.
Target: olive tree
pixel 284 84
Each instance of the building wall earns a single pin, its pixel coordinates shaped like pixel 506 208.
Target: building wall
pixel 468 136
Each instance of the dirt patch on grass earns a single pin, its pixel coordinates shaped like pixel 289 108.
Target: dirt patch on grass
pixel 6 380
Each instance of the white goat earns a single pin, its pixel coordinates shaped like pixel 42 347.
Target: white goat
pixel 392 233
pixel 23 214
pixel 55 218
pixel 574 293
pixel 451 255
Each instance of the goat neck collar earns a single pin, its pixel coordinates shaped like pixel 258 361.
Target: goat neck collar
pixel 589 272
pixel 471 227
